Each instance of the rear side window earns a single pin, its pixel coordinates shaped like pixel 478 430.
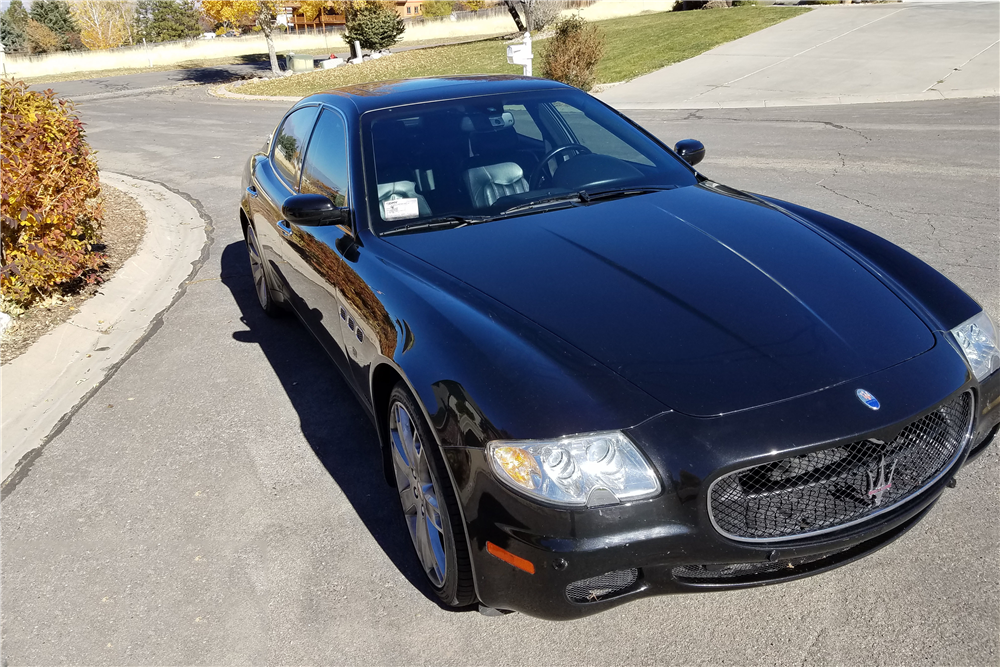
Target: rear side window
pixel 596 137
pixel 325 168
pixel 290 144
pixel 524 124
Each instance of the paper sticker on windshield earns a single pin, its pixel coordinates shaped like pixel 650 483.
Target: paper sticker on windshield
pixel 400 209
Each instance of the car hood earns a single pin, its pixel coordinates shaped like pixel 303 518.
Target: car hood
pixel 706 299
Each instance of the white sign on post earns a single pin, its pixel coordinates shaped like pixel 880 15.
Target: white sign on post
pixel 520 54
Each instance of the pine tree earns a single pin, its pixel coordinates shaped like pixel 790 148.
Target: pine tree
pixel 165 20
pixel 11 36
pixel 373 24
pixel 17 15
pixel 55 15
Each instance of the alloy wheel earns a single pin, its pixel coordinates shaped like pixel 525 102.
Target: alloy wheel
pixel 418 494
pixel 257 269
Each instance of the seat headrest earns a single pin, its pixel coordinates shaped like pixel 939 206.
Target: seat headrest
pixel 399 188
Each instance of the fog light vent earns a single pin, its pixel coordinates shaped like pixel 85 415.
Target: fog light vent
pixel 602 587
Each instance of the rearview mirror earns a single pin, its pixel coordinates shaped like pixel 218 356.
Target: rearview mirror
pixel 691 151
pixel 312 210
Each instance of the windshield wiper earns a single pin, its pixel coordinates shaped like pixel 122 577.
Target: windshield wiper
pixel 614 193
pixel 568 198
pixel 443 222
pixel 585 196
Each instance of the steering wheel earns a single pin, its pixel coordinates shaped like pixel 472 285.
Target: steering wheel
pixel 537 173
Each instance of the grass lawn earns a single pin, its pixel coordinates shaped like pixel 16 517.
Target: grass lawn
pixel 636 45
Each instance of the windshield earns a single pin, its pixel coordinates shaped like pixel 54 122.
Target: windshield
pixel 478 159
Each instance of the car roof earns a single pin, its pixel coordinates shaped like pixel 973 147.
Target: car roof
pixel 383 94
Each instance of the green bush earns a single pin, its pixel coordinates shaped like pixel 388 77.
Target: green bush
pixel 375 25
pixel 573 52
pixel 50 213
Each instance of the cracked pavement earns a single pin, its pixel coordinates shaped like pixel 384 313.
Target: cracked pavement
pixel 218 500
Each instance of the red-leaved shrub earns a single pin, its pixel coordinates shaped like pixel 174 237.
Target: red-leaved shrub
pixel 50 211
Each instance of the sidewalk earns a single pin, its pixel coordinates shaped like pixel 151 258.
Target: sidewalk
pixel 836 55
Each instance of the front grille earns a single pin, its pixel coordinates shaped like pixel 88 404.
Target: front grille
pixel 706 573
pixel 602 587
pixel 744 572
pixel 821 491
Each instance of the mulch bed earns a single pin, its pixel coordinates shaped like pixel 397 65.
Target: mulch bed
pixel 122 233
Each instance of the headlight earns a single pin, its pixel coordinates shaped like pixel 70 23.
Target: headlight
pixel 977 338
pixel 576 471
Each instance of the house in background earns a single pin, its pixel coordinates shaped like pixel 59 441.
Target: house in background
pixel 328 18
pixel 325 20
pixel 409 9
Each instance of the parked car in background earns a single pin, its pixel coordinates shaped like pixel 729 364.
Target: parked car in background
pixel 597 374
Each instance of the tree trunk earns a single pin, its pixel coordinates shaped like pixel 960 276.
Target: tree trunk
pixel 271 53
pixel 265 18
pixel 265 21
pixel 513 14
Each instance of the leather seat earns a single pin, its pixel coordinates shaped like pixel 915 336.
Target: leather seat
pixel 490 182
pixel 492 172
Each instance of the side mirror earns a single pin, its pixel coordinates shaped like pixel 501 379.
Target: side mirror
pixel 312 210
pixel 691 151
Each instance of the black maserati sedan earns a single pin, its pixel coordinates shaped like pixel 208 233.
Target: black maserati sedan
pixel 597 374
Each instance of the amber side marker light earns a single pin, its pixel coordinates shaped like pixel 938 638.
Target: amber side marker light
pixel 510 558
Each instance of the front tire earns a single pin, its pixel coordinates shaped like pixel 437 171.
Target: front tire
pixel 430 508
pixel 261 283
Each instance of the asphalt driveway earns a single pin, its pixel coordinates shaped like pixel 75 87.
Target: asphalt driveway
pixel 219 501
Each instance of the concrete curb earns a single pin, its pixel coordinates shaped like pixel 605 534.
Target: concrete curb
pixel 222 90
pixel 45 385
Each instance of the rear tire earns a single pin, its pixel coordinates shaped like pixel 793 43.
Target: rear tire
pixel 258 271
pixel 430 508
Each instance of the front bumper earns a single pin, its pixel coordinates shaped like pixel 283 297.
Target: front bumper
pixel 667 544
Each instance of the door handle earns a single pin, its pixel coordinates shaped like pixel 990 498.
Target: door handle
pixel 284 227
pixel 252 191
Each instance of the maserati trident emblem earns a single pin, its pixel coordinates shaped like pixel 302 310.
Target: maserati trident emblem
pixel 866 398
pixel 878 487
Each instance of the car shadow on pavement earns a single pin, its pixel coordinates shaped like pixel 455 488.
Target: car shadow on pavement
pixel 333 422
